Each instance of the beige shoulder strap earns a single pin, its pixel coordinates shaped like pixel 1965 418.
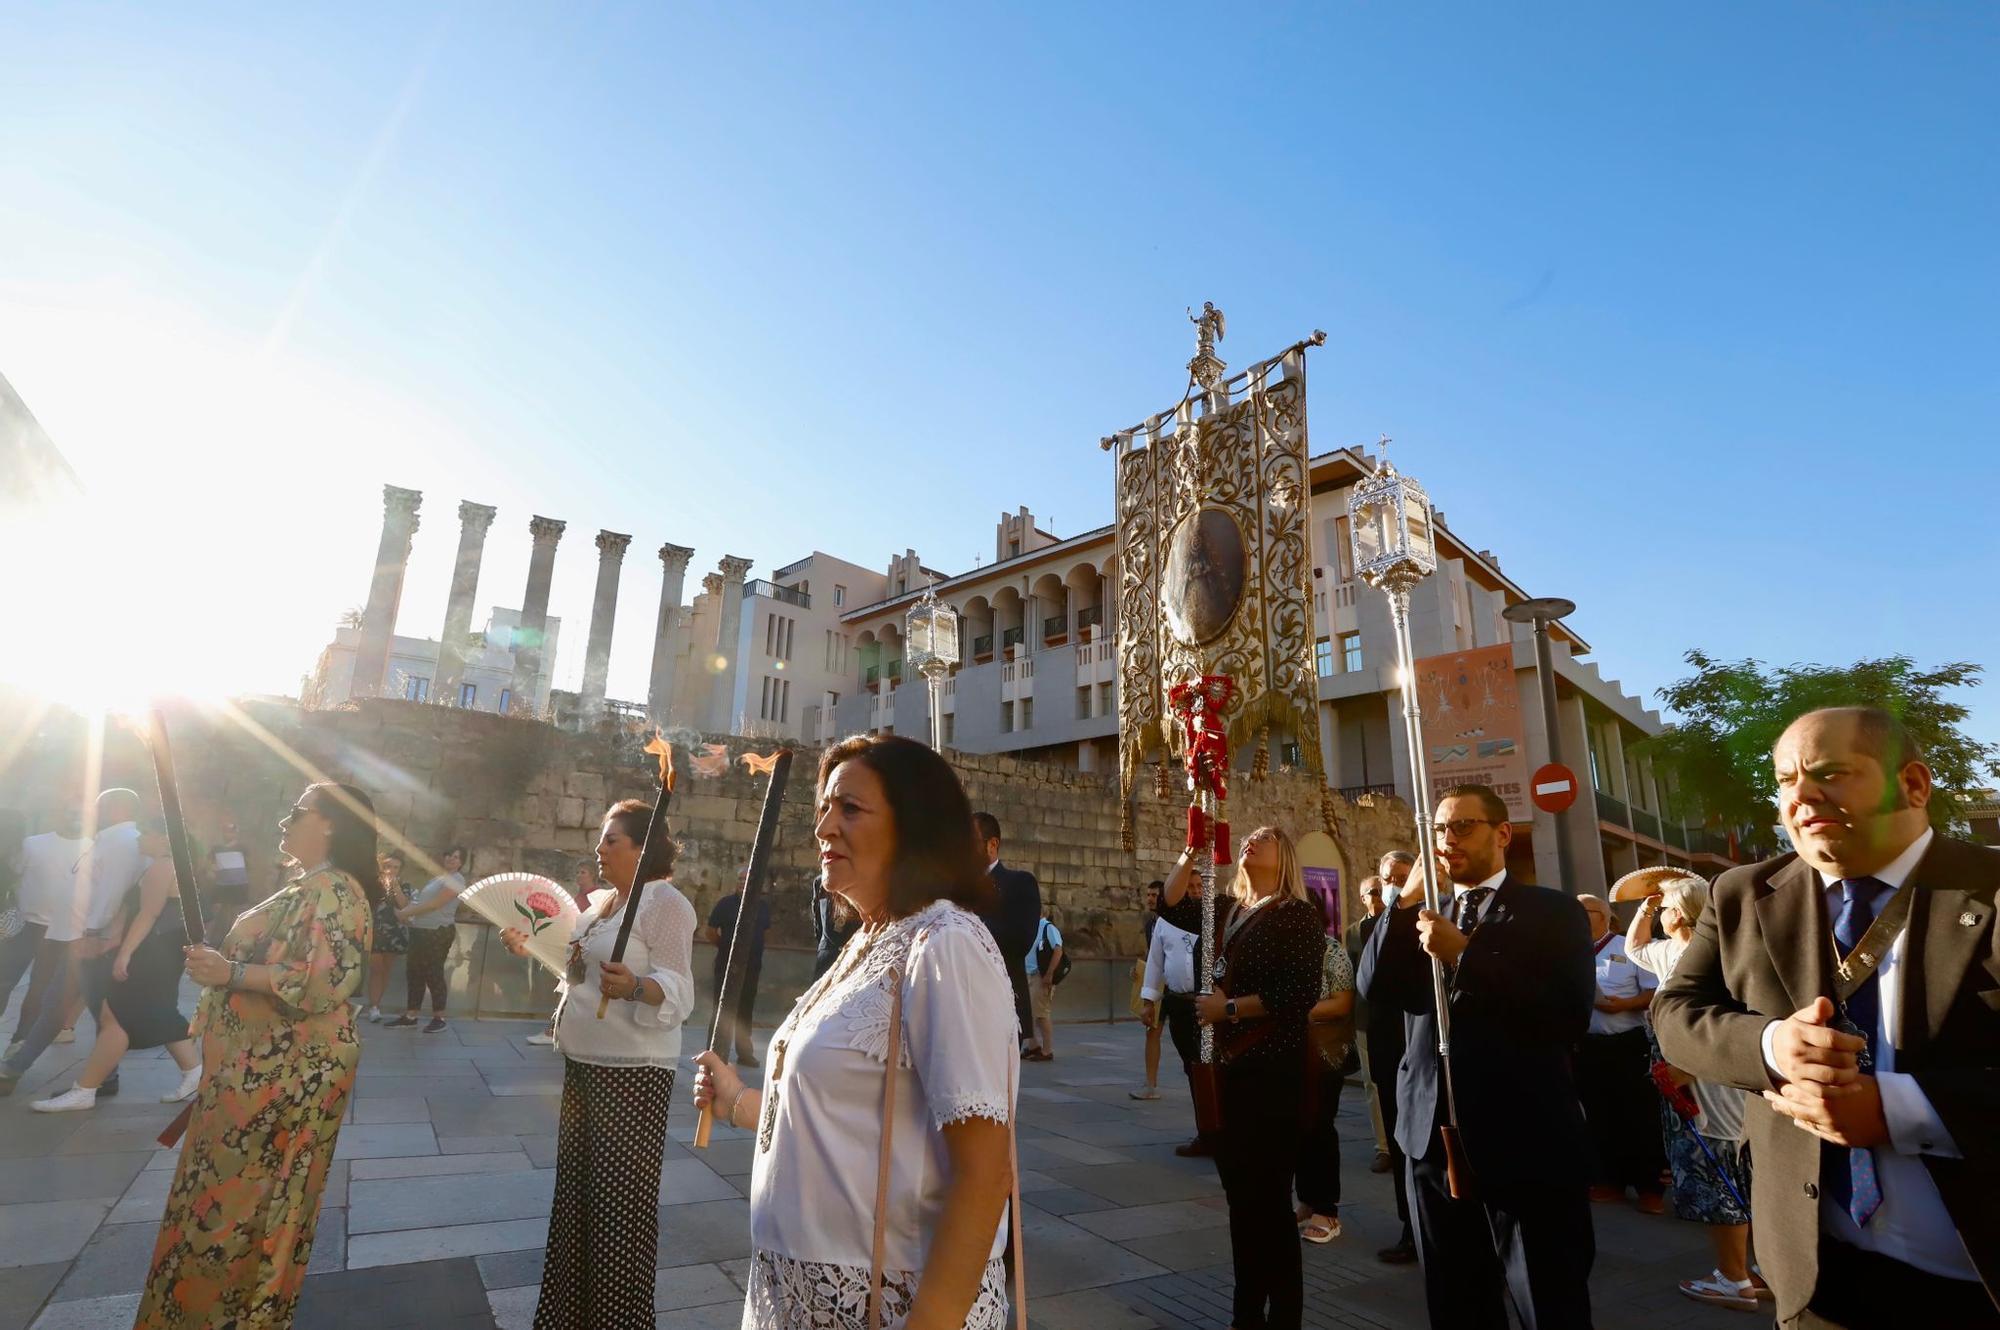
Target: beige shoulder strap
pixel 884 1158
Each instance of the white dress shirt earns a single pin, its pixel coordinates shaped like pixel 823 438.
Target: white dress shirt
pixel 1458 890
pixel 661 948
pixel 1912 1225
pixel 114 865
pixel 1169 962
pixel 48 893
pixel 1618 977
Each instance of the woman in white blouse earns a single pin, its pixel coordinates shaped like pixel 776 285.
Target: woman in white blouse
pixel 618 1078
pixel 896 846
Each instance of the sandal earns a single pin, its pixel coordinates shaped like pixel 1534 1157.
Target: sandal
pixel 1320 1230
pixel 1719 1290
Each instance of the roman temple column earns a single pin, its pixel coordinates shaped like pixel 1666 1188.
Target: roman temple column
pixel 385 589
pixel 666 635
pixel 546 531
pixel 453 647
pixel 603 608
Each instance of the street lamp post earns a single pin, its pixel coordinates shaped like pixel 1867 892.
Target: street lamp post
pixel 931 647
pixel 1395 548
pixel 1541 612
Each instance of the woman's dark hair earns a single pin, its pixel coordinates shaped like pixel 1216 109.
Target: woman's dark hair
pixel 352 849
pixel 936 858
pixel 632 817
pixel 459 850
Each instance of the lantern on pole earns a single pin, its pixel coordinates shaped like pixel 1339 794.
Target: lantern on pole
pixel 930 645
pixel 1395 548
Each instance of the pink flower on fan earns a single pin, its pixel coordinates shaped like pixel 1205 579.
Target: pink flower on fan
pixel 543 904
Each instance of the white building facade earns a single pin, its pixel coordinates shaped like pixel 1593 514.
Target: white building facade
pixel 485 683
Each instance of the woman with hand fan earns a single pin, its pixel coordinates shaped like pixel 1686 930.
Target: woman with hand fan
pixel 618 1078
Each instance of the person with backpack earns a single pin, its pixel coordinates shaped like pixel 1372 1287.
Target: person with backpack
pixel 1047 966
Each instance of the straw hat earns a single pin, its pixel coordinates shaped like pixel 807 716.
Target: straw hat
pixel 1650 882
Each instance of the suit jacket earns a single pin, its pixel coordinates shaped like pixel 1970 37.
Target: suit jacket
pixel 1761 951
pixel 1011 921
pixel 1520 998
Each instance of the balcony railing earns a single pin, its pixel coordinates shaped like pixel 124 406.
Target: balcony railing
pixel 1353 793
pixel 895 671
pixel 982 647
pixel 1645 823
pixel 1613 811
pixel 1676 836
pixel 872 675
pixel 1056 625
pixel 1011 637
pixel 1090 618
pixel 772 591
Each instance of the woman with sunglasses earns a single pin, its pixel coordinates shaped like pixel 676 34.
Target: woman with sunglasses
pixel 1270 949
pixel 279 1054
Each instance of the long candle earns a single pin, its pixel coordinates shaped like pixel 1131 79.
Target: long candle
pixel 177 835
pixel 660 748
pixel 746 918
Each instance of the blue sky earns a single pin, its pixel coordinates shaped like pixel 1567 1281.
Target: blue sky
pixel 1689 313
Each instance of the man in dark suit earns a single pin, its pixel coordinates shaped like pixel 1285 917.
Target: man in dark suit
pixel 1382 1026
pixel 1014 917
pixel 1876 1161
pixel 1520 988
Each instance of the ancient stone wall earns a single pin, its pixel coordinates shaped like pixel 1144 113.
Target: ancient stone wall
pixel 523 795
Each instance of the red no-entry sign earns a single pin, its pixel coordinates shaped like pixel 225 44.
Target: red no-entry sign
pixel 1553 787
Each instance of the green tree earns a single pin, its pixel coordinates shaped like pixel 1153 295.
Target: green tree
pixel 1718 753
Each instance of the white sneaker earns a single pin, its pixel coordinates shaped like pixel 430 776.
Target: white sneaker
pixel 190 1082
pixel 71 1100
pixel 542 1040
pixel 374 1015
pixel 64 1037
pixel 1145 1092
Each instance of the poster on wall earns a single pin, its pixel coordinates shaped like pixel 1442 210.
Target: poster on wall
pixel 1473 727
pixel 1323 888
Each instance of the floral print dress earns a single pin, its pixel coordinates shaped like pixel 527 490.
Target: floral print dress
pixel 238 1232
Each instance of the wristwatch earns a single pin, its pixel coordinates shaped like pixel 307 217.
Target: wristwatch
pixel 1229 1009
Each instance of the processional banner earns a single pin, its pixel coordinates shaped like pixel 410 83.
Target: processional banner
pixel 1215 571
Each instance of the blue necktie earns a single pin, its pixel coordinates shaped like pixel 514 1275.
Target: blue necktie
pixel 1850 1172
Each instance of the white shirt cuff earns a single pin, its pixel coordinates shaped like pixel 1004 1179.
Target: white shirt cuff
pixel 1914 1126
pixel 1770 1058
pixel 1149 995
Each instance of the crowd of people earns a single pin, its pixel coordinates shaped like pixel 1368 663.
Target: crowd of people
pixel 1828 1013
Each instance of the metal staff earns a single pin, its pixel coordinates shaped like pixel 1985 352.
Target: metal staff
pixel 1395 548
pixel 177 833
pixel 655 826
pixel 746 911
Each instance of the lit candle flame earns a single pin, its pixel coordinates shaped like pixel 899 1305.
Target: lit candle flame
pixel 762 766
pixel 660 748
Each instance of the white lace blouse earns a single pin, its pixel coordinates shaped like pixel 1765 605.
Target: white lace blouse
pixel 661 948
pixel 812 1187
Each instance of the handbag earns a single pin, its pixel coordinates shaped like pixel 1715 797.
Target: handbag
pixel 11 923
pixel 884 1158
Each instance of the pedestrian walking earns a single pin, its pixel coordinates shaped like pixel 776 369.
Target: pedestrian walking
pixel 432 918
pixel 618 1080
pixel 46 900
pixel 279 1052
pixel 392 935
pixel 1149 902
pixel 142 1005
pixel 883 1159
pixel 1043 966
pixel 1614 1071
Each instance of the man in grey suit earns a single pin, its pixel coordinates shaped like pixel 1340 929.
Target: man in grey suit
pixel 1875 1049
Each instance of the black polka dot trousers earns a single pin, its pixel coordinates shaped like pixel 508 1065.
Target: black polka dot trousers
pixel 604 1229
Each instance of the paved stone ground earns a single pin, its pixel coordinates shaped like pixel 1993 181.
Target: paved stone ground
pixel 437 1207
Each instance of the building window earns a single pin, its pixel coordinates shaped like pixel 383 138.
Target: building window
pixel 1027 713
pixel 764 700
pixel 506 700
pixel 1006 718
pixel 1350 652
pixel 839 595
pixel 950 726
pixel 1083 702
pixel 468 693
pixel 1106 701
pixel 1323 656
pixel 785 702
pixel 1288 754
pixel 1343 548
pixel 1013 549
pixel 791 630
pixel 416 689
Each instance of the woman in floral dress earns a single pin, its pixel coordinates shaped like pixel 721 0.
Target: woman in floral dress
pixel 895 839
pixel 280 1054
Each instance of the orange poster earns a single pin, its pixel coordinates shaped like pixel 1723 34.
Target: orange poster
pixel 1473 729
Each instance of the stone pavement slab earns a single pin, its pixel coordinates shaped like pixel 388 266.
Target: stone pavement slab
pixel 436 1207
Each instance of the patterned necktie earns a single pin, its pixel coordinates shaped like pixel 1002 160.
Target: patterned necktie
pixel 1850 1172
pixel 1469 902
